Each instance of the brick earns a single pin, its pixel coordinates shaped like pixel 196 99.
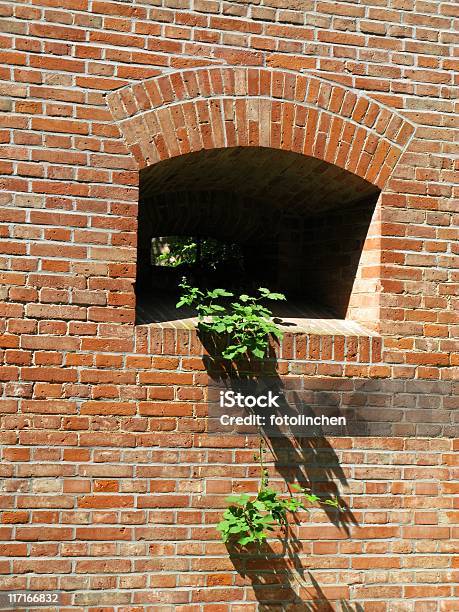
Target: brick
pixel 106 501
pixel 15 517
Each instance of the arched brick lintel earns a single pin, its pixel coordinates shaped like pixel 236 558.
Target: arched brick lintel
pixel 214 107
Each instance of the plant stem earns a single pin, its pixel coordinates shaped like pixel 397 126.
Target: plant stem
pixel 264 479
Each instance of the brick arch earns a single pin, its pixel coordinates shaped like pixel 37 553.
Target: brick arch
pixel 217 107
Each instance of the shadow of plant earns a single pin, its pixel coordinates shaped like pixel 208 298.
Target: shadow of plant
pixel 309 461
pixel 275 569
pixel 280 583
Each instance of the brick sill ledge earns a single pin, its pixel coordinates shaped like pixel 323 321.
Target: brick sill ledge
pixel 342 342
pixel 296 318
pixel 319 327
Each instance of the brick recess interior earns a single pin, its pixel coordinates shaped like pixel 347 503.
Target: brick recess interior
pixel 111 487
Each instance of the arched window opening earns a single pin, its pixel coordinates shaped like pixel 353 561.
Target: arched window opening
pixel 245 217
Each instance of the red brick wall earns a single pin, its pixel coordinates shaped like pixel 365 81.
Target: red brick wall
pixel 111 488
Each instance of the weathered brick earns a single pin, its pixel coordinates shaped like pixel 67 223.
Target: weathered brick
pixel 104 454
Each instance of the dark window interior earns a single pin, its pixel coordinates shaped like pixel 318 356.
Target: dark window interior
pixel 270 218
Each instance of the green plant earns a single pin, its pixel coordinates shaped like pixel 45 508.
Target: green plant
pixel 185 253
pixel 250 519
pixel 246 321
pixel 173 251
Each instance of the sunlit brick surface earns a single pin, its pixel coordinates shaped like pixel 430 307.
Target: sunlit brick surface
pixel 111 486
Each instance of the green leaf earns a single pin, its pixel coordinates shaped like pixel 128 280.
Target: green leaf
pixel 259 505
pixel 233 351
pixel 332 502
pixel 266 293
pixel 240 500
pixel 267 520
pixel 260 353
pixel 215 293
pixel 277 296
pixel 215 308
pixel 312 498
